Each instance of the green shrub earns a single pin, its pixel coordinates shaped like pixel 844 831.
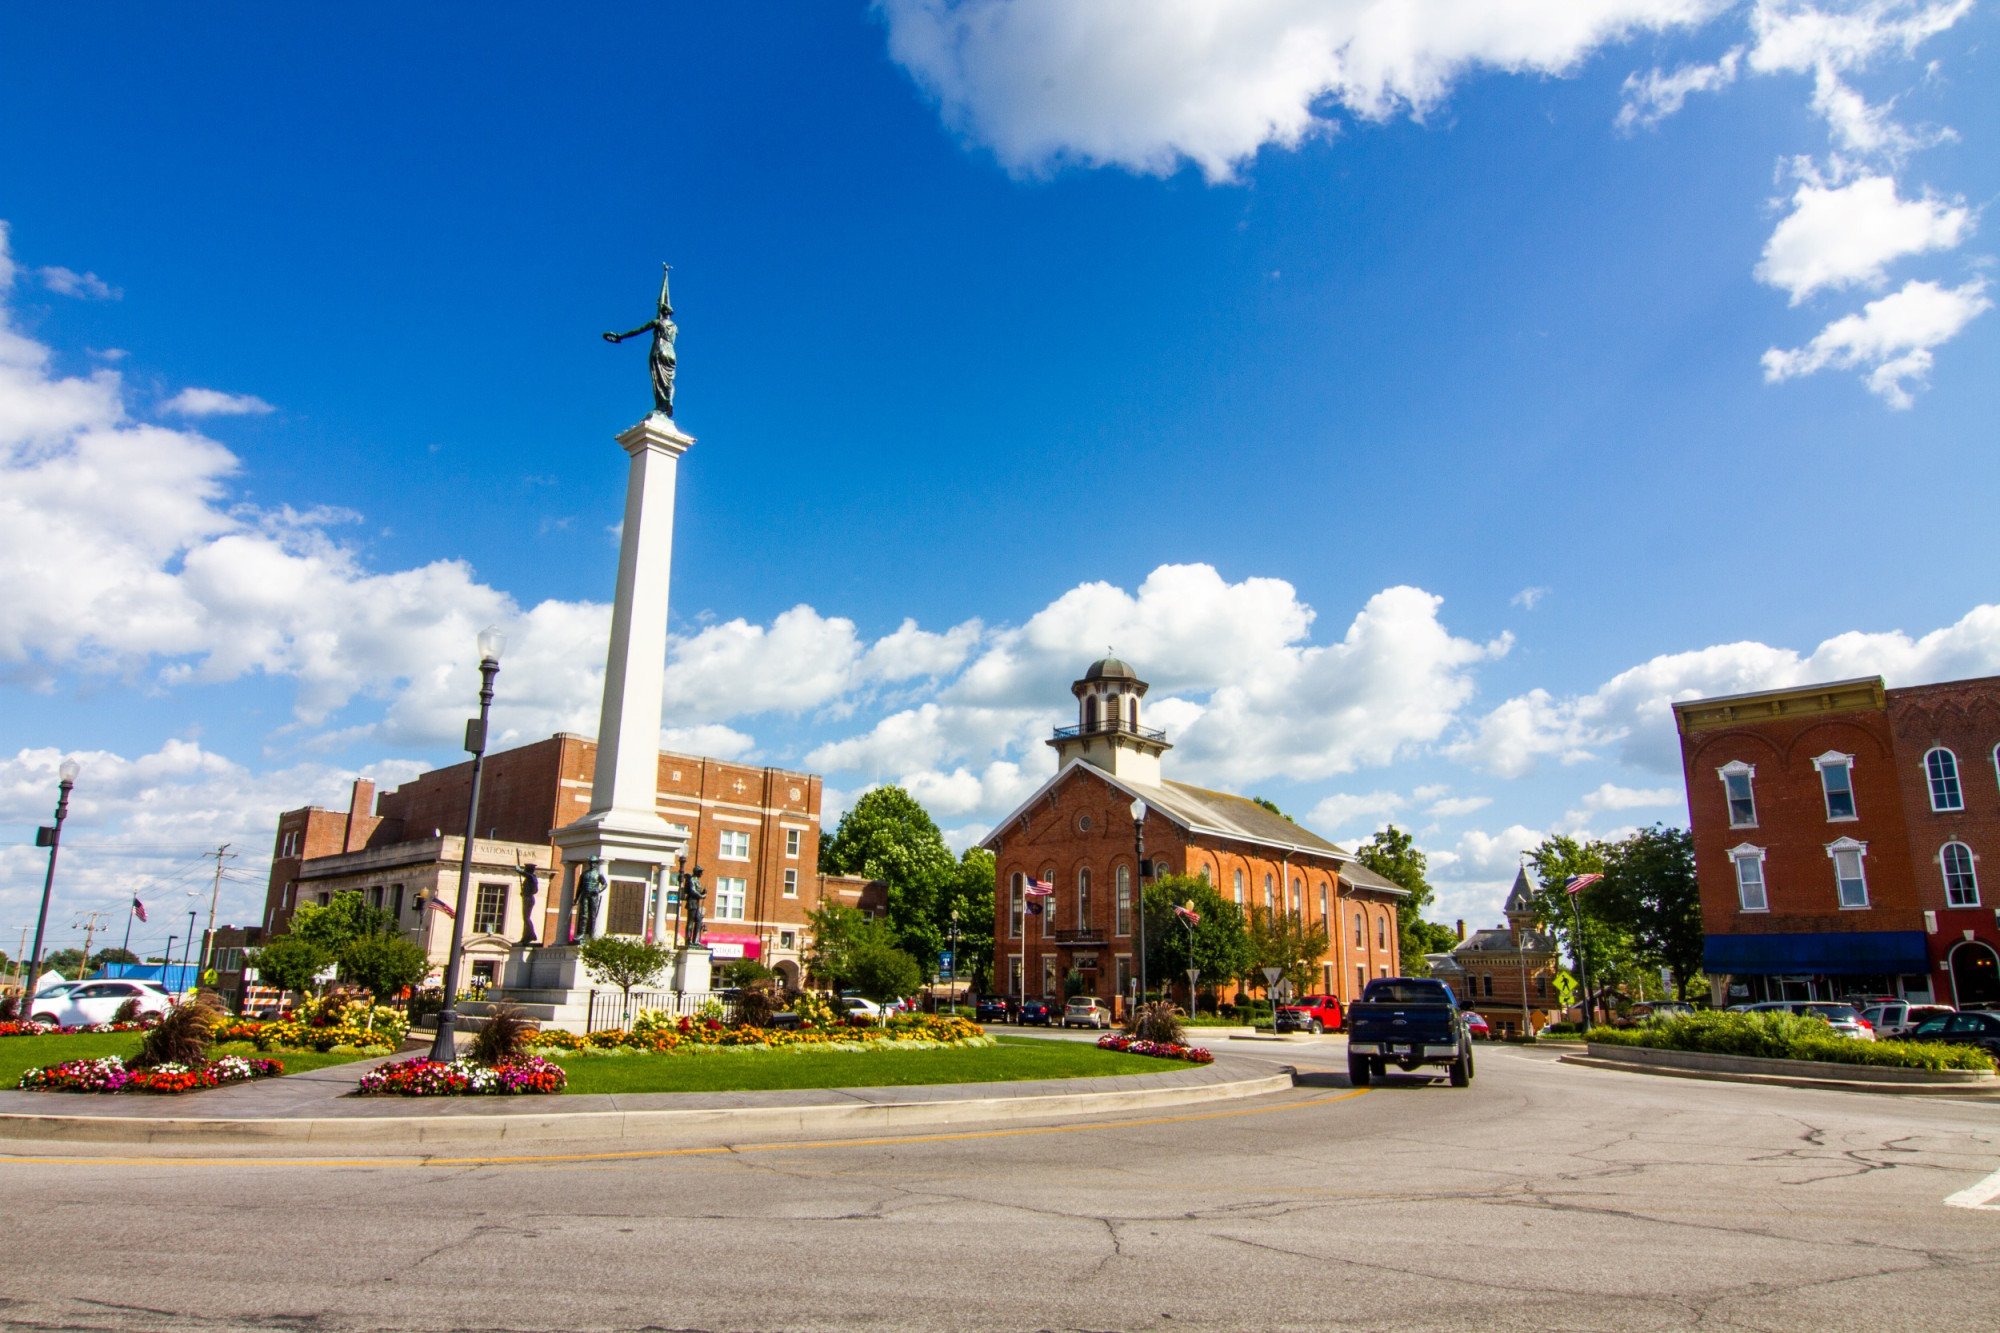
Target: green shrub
pixel 1780 1036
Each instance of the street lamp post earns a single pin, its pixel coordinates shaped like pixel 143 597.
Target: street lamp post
pixel 187 954
pixel 49 836
pixel 491 642
pixel 1139 884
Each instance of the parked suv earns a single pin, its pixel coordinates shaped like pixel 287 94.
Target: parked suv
pixel 1085 1013
pixel 100 1001
pixel 1898 1018
pixel 1310 1013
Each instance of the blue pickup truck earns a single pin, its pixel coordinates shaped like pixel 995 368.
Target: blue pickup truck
pixel 1410 1022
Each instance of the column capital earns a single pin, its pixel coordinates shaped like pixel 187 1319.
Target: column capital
pixel 656 433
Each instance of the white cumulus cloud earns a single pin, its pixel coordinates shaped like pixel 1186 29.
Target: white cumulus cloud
pixel 1891 340
pixel 1844 235
pixel 215 403
pixel 84 286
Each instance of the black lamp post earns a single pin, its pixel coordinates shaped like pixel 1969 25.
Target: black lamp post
pixel 187 955
pixel 1139 885
pixel 49 836
pixel 491 641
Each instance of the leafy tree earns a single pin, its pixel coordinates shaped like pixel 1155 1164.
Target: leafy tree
pixel 883 972
pixel 888 836
pixel 1217 944
pixel 347 917
pixel 838 933
pixel 1281 940
pixel 383 963
pixel 969 892
pixel 1649 889
pixel 112 955
pixel 1394 855
pixel 740 972
pixel 624 962
pixel 1608 952
pixel 291 962
pixel 1272 806
pixel 69 962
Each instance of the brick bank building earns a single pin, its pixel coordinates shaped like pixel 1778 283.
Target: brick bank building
pixel 754 831
pixel 1844 837
pixel 1076 833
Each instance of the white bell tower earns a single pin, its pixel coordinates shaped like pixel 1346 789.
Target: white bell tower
pixel 1107 733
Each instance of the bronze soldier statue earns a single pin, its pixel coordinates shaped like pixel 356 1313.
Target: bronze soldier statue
pixel 692 894
pixel 531 888
pixel 664 331
pixel 589 895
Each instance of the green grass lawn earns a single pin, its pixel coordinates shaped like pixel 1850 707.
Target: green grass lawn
pixel 20 1054
pixel 804 1067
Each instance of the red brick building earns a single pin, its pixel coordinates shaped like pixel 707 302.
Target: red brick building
pixel 1839 835
pixel 1076 833
pixel 1506 974
pixel 754 831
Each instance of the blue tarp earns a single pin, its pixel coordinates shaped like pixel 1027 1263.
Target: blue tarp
pixel 1825 953
pixel 176 977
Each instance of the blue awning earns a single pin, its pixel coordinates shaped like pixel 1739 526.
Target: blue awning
pixel 1829 953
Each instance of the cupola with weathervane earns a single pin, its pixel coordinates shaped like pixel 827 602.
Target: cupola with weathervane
pixel 1107 733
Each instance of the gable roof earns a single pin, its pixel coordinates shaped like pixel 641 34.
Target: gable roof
pixel 1219 814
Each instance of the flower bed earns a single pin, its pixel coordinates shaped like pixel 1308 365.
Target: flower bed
pixel 658 1032
pixel 110 1074
pixel 422 1077
pixel 31 1029
pixel 1775 1036
pixel 1165 1050
pixel 355 1024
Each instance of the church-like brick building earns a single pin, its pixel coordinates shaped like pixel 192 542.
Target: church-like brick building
pixel 1077 833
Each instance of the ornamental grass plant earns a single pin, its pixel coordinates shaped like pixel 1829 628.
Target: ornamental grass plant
pixel 1781 1036
pixel 1158 1021
pixel 181 1037
pixel 505 1036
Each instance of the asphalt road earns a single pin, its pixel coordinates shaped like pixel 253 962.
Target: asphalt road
pixel 1544 1197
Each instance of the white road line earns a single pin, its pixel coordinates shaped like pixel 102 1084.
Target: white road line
pixel 1977 1196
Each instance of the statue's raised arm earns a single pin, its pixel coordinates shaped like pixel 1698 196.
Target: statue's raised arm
pixel 664 331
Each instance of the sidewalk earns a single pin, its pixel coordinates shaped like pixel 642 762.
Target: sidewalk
pixel 315 1107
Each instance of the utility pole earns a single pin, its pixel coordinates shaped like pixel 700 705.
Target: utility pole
pixel 89 926
pixel 220 854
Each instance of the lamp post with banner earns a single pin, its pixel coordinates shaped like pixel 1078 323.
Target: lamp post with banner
pixel 444 1047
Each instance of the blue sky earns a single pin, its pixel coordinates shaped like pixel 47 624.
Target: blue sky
pixel 1422 396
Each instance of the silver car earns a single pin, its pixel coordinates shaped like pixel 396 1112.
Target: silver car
pixel 1085 1014
pixel 1846 1020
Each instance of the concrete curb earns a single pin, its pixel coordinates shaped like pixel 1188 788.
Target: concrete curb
pixel 529 1126
pixel 1960 1090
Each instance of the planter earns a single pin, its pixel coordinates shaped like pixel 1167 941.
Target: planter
pixel 1753 1069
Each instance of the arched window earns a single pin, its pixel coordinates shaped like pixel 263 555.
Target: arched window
pixel 1017 888
pixel 1049 903
pixel 1089 712
pixel 1941 767
pixel 1132 710
pixel 1082 898
pixel 1124 923
pixel 1239 888
pixel 1961 880
pixel 1267 895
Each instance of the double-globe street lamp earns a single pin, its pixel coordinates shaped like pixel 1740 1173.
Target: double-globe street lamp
pixel 491 642
pixel 49 836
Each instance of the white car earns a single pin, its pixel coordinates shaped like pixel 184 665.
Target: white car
pixel 854 1004
pixel 100 1001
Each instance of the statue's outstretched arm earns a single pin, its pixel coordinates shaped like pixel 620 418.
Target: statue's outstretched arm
pixel 621 337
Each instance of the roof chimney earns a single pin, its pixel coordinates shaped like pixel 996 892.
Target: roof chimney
pixel 359 806
pixel 1461 929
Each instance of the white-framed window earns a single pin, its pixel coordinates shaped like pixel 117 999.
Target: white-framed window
pixel 730 892
pixel 1124 974
pixel 1381 932
pixel 792 839
pixel 1203 874
pixel 1124 900
pixel 1850 876
pixel 1749 863
pixel 1322 902
pixel 288 843
pixel 1961 879
pixel 1239 874
pixel 1014 969
pixel 735 845
pixel 1736 776
pixel 1016 888
pixel 1298 896
pixel 1083 897
pixel 1836 783
pixel 791 881
pixel 1360 979
pixel 1048 903
pixel 1941 767
pixel 1049 975
pixel 1360 925
pixel 1267 895
pixel 489 915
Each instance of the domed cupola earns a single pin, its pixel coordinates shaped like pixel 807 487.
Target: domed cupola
pixel 1107 731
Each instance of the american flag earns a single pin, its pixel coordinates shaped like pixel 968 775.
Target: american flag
pixel 1578 883
pixel 1040 888
pixel 1187 913
pixel 138 908
pixel 440 905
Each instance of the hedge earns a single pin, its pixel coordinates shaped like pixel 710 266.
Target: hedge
pixel 1781 1036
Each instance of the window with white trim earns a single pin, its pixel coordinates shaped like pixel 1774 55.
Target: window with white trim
pixel 792 837
pixel 1736 777
pixel 1849 875
pixel 1750 892
pixel 1381 932
pixel 1083 897
pixel 1267 895
pixel 1124 900
pixel 1322 902
pixel 791 882
pixel 1941 767
pixel 1049 903
pixel 735 845
pixel 1360 940
pixel 1239 874
pixel 489 913
pixel 1961 880
pixel 1836 784
pixel 729 896
pixel 1016 887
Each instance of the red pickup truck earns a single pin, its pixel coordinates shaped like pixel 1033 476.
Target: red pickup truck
pixel 1310 1013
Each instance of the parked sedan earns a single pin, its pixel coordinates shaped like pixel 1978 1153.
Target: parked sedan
pixel 100 1001
pixel 1846 1020
pixel 991 1009
pixel 1085 1014
pixel 857 1007
pixel 1477 1025
pixel 1037 1012
pixel 1967 1029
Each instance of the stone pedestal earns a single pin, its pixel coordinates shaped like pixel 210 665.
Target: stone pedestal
pixel 691 974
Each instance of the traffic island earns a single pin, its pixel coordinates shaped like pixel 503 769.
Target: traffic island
pixel 1787 1073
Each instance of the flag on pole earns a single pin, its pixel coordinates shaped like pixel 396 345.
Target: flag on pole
pixel 438 904
pixel 1040 888
pixel 1034 908
pixel 138 908
pixel 1578 883
pixel 1187 913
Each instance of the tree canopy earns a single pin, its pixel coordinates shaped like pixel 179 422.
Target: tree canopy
pixel 1217 944
pixel 346 917
pixel 1284 941
pixel 383 963
pixel 1394 855
pixel 888 835
pixel 291 962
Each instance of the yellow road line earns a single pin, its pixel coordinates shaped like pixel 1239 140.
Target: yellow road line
pixel 803 1145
